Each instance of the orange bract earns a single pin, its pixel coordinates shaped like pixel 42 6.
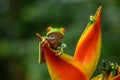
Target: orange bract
pixel 63 67
pixel 88 47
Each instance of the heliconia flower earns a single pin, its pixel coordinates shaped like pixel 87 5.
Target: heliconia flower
pixel 85 60
pixel 109 72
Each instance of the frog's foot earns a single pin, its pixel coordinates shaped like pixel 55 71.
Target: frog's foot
pixel 57 52
pixel 43 42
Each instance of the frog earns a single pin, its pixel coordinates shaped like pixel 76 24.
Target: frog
pixel 54 36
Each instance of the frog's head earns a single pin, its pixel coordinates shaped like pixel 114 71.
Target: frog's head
pixel 51 30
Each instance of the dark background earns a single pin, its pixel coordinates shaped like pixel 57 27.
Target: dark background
pixel 21 19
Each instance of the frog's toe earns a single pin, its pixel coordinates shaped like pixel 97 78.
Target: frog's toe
pixel 43 40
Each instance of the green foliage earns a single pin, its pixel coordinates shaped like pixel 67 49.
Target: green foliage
pixel 20 20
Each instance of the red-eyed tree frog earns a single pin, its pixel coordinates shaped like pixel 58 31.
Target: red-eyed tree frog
pixel 54 37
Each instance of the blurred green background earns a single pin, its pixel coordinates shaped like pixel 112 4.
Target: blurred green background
pixel 21 19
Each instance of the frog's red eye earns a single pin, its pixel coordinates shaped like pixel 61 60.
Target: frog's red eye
pixel 63 29
pixel 48 29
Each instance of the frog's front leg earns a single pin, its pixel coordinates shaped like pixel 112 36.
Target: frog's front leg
pixel 61 49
